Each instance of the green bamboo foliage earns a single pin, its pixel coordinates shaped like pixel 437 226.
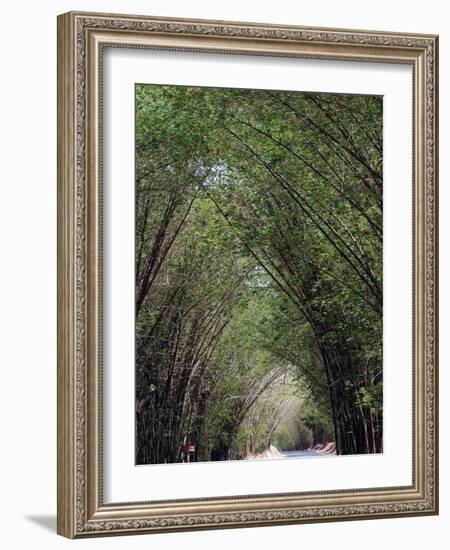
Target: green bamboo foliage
pixel 259 297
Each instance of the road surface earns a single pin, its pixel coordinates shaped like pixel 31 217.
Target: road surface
pixel 302 454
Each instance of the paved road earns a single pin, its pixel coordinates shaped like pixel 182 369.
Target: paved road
pixel 301 454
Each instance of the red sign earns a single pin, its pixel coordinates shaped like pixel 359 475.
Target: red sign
pixel 191 448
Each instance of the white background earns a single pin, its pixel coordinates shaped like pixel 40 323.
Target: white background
pixel 28 274
pixel 123 482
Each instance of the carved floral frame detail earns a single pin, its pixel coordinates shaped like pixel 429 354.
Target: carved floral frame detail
pixel 81 37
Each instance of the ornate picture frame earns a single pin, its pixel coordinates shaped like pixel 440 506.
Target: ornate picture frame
pixel 82 38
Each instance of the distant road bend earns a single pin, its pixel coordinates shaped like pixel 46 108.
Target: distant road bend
pixel 301 454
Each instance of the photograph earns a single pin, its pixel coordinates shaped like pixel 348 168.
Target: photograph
pixel 224 275
pixel 258 274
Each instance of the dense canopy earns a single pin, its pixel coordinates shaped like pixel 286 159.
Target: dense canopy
pixel 258 272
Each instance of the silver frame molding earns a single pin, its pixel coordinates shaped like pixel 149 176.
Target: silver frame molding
pixel 81 510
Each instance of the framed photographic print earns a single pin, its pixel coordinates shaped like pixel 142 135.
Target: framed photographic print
pixel 247 276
